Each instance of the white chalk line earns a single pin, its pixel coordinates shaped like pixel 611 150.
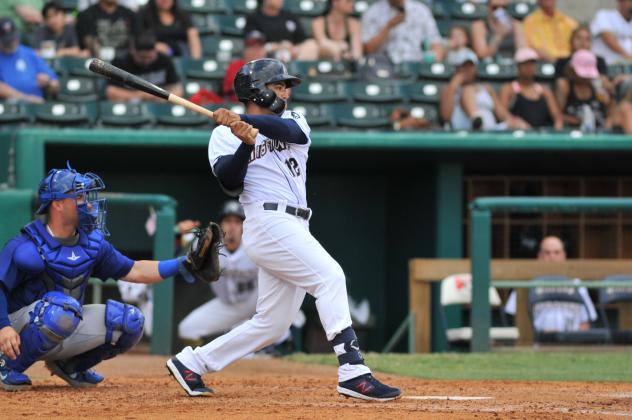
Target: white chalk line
pixel 444 397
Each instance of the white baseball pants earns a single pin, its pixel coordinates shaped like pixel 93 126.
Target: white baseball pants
pixel 291 262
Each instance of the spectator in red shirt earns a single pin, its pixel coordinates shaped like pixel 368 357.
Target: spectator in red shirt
pixel 255 42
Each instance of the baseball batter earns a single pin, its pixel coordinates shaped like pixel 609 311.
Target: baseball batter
pixel 44 272
pixel 269 173
pixel 236 289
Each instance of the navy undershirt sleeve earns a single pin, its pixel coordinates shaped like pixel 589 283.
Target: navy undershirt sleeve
pixel 4 309
pixel 277 128
pixel 231 169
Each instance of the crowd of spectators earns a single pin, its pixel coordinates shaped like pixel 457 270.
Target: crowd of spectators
pixel 388 34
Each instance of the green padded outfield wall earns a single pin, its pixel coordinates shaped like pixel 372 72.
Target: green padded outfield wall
pixel 378 198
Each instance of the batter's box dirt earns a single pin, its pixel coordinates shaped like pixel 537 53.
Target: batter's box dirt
pixel 137 387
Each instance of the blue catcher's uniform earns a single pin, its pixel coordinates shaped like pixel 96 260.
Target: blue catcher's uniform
pixel 42 285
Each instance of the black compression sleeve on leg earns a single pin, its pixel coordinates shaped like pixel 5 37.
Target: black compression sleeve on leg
pixel 277 128
pixel 230 170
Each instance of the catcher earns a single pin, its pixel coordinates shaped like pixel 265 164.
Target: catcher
pixel 44 272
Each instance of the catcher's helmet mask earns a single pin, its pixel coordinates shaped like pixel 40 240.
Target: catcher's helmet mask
pixel 252 79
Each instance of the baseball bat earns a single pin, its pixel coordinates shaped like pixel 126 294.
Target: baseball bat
pixel 119 75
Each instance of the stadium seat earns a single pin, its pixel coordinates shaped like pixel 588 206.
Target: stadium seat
pixel 193 86
pixel 320 91
pixel 377 91
pixel 310 8
pixel 317 115
pixel 65 114
pixel 323 69
pixel 205 68
pixel 564 296
pixel 440 10
pixel 426 91
pixel 546 71
pixel 231 25
pixel 77 89
pixel 222 48
pixel 13 114
pixel 436 71
pixel 428 112
pixel 457 290
pixel 236 107
pixel 177 116
pixel 468 11
pixel 306 23
pixel 610 296
pixel 496 71
pixel 244 7
pixel 360 116
pixel 124 114
pixel 360 6
pixel 520 9
pixel 203 6
pixel 444 26
pixel 74 66
pixel 206 24
pixel 69 5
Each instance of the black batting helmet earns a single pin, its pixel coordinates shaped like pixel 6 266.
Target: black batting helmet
pixel 251 80
pixel 232 208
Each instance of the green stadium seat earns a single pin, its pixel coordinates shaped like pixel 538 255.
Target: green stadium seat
pixel 444 26
pixel 427 91
pixel 203 6
pixel 205 68
pixel 317 115
pixel 436 71
pixel 306 22
pixel 244 7
pixel 546 71
pixel 520 9
pixel 361 116
pixel 306 7
pixel 192 86
pixel 69 5
pixel 361 6
pixel 206 24
pixel 322 70
pixel 377 91
pixel 468 11
pixel 440 10
pixel 65 114
pixel 74 66
pixel 320 91
pixel 177 116
pixel 77 89
pixel 231 25
pixel 222 48
pixel 236 107
pixel 496 71
pixel 428 112
pixel 124 114
pixel 13 114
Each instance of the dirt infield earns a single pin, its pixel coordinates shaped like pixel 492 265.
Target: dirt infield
pixel 137 387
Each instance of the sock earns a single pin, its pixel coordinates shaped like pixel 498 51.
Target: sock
pixel 347 350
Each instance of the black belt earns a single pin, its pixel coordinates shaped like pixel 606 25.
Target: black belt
pixel 294 211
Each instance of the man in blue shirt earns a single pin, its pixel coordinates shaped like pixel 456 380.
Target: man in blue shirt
pixel 23 74
pixel 44 272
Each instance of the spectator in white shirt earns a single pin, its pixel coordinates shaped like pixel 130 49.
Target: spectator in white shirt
pixel 557 316
pixel 399 29
pixel 612 32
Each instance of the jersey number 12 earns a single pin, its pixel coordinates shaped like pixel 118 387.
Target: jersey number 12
pixel 292 165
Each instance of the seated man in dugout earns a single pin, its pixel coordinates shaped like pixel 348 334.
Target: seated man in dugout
pixel 557 316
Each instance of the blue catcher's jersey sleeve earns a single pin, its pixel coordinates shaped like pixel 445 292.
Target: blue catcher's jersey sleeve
pixel 111 263
pixel 18 260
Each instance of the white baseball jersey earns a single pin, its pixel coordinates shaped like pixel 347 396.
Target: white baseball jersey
pixel 277 170
pixel 238 277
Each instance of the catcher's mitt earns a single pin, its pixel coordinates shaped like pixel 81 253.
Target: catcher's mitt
pixel 202 260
